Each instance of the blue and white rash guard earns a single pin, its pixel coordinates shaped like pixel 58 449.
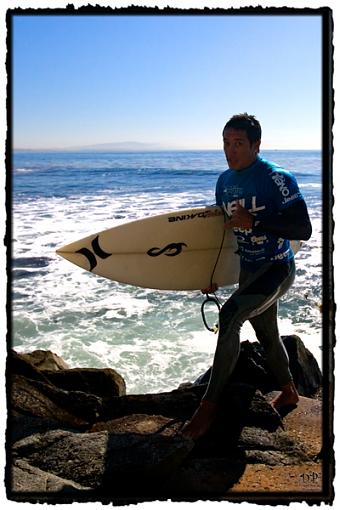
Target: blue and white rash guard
pixel 265 190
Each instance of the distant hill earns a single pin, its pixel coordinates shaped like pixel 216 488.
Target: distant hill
pixel 109 147
pixel 117 146
pixel 121 147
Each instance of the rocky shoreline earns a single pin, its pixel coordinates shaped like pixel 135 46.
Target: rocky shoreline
pixel 75 435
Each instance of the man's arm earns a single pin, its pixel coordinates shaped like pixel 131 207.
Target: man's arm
pixel 291 223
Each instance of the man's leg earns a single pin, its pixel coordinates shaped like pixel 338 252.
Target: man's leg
pixel 267 332
pixel 259 292
pixel 254 296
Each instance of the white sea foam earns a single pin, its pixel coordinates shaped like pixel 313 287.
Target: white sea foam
pixel 316 185
pixel 155 339
pixel 24 170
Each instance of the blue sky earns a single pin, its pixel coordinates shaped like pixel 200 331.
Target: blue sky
pixel 168 80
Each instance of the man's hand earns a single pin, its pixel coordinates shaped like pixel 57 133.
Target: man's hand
pixel 241 218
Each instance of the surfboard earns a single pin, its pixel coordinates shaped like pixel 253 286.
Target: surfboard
pixel 179 250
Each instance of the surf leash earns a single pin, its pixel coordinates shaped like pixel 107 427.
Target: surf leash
pixel 210 299
pixel 214 298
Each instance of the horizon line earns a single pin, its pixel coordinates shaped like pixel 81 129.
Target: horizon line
pixel 84 149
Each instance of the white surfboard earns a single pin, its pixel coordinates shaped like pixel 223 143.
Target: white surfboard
pixel 181 250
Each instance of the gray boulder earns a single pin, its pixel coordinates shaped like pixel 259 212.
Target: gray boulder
pixel 74 434
pixel 44 360
pixel 29 479
pixel 252 368
pixel 102 382
pixel 303 365
pixel 123 464
pixel 27 399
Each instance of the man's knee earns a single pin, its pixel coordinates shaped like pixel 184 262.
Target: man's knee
pixel 228 312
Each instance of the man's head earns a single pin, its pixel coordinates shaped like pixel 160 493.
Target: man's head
pixel 241 140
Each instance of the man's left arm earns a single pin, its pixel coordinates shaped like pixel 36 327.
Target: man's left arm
pixel 291 223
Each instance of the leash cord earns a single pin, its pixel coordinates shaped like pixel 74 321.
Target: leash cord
pixel 214 299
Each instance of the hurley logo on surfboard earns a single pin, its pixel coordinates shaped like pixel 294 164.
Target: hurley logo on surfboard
pixel 91 256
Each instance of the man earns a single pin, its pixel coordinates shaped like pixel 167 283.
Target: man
pixel 265 210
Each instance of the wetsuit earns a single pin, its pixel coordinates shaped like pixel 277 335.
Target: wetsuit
pixel 272 195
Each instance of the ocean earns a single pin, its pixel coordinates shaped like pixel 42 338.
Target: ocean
pixel 155 339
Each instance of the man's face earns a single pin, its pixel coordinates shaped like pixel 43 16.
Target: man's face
pixel 240 153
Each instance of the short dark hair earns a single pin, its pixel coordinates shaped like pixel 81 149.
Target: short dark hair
pixel 247 123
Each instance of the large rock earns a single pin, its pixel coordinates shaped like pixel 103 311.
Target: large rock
pixel 103 382
pixel 303 365
pixel 135 423
pixel 19 364
pixel 252 367
pixel 29 479
pixel 276 462
pixel 74 409
pixel 32 396
pixel 77 435
pixel 205 477
pixel 123 464
pixel 213 470
pixel 241 405
pixel 273 448
pixel 44 360
pixel 72 398
pixel 22 424
pixel 304 425
pixel 179 403
pixel 27 400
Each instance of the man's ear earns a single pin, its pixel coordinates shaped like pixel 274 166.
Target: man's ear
pixel 257 146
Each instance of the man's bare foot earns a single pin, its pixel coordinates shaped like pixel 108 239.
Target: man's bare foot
pixel 288 397
pixel 201 420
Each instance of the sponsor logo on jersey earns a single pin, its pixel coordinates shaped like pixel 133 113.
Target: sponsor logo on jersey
pixel 280 183
pixel 293 197
pixel 254 207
